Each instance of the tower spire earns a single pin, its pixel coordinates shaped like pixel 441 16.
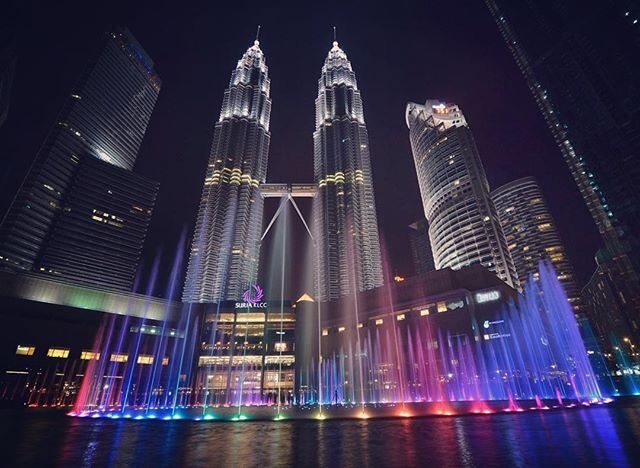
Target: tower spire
pixel 257 41
pixel 335 37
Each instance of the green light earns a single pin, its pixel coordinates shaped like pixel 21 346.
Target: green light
pixel 208 417
pixel 240 417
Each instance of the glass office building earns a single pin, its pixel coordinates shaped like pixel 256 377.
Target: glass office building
pixel 105 117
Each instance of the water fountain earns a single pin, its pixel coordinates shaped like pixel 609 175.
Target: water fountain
pixel 529 357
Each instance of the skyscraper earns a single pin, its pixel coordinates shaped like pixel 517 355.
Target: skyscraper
pixel 105 117
pixel 346 225
pixel 579 60
pixel 421 246
pixel 98 238
pixel 463 224
pixel 531 234
pixel 226 243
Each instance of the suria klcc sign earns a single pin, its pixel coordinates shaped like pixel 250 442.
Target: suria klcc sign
pixel 252 299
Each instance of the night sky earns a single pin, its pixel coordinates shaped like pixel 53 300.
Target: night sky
pixel 404 51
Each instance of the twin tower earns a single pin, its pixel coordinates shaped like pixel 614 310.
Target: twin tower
pixel 225 251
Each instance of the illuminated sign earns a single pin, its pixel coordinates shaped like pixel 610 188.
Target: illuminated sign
pixel 487 296
pixel 488 323
pixel 252 299
pixel 455 305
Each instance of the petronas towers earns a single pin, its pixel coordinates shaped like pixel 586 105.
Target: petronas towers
pixel 225 250
pixel 226 243
pixel 345 222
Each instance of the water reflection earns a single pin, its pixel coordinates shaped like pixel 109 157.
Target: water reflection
pixel 603 436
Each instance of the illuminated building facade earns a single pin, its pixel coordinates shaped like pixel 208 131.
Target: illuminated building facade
pixel 105 117
pixel 346 225
pixel 464 227
pixel 579 59
pixel 246 354
pixel 98 238
pixel 225 249
pixel 532 235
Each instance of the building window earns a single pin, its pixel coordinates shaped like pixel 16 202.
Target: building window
pixel 58 352
pixel 441 306
pixel 424 312
pixel 119 358
pixel 25 350
pixel 89 355
pixel 280 347
pixel 165 361
pixel 325 332
pixel 340 329
pixel 379 321
pixel 400 317
pixel 145 359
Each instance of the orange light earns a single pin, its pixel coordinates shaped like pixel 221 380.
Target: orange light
pixel 398 279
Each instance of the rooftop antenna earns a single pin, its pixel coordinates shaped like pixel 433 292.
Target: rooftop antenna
pixel 258 34
pixel 334 35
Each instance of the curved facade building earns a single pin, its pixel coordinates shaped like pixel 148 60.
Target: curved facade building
pixel 463 224
pixel 531 233
pixel 226 244
pixel 346 225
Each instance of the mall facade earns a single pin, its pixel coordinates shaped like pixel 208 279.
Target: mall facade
pixel 249 351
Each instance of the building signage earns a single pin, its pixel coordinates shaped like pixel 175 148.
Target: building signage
pixel 487 296
pixel 252 299
pixel 488 323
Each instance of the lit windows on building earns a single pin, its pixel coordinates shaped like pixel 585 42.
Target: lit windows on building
pixel 280 347
pixel 462 220
pixel 58 352
pixel 441 307
pixel 531 225
pixel 145 359
pixel 379 321
pixel 89 356
pixel 119 358
pixel 22 350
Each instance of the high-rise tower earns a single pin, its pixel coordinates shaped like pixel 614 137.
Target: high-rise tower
pixel 346 225
pixel 463 224
pixel 579 60
pixel 104 118
pixel 532 235
pixel 226 243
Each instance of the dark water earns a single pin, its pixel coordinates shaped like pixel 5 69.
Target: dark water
pixel 608 436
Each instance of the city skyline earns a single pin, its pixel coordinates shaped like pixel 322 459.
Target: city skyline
pixel 234 234
pixel 389 165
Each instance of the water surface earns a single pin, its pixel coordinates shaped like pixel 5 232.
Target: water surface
pixel 580 437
